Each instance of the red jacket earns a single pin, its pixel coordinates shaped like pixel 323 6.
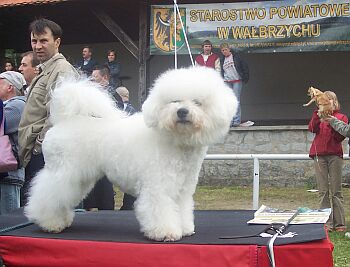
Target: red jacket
pixel 327 141
pixel 209 63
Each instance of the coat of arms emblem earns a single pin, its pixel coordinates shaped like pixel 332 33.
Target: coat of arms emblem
pixel 163 28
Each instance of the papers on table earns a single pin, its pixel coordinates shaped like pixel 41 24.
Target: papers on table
pixel 267 215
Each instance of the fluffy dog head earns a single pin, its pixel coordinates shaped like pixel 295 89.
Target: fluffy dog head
pixel 192 104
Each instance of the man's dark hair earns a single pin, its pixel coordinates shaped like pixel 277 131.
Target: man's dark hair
pixel 207 42
pixel 9 61
pixel 38 27
pixel 35 61
pixel 103 69
pixel 88 47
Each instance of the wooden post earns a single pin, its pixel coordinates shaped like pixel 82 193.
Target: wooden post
pixel 143 50
pixel 116 30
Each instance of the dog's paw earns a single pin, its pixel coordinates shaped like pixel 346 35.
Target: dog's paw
pixel 172 238
pixel 54 229
pixel 164 235
pixel 56 225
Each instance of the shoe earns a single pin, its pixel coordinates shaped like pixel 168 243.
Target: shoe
pixel 340 228
pixel 328 227
pixel 247 124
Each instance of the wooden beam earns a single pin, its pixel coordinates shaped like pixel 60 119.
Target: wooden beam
pixel 116 30
pixel 143 50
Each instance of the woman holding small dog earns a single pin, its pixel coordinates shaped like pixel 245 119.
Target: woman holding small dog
pixel 327 152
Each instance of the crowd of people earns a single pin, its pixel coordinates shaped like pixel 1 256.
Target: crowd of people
pixel 24 116
pixel 24 109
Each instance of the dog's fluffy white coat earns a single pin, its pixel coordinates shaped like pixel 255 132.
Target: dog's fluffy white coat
pixel 155 155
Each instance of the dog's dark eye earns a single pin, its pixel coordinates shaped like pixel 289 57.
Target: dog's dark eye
pixel 175 101
pixel 196 102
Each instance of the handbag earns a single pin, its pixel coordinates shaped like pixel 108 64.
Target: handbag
pixel 8 160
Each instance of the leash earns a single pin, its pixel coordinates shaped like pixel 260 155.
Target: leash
pixel 23 225
pixel 279 231
pixel 266 230
pixel 15 227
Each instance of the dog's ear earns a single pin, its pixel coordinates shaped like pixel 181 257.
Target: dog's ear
pixel 150 111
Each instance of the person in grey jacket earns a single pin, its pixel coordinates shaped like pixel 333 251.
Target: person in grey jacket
pixel 11 86
pixel 340 126
pixel 53 68
pixel 235 72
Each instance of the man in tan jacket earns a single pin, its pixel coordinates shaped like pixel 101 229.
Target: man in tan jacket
pixel 45 40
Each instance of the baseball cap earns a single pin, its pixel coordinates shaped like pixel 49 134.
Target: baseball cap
pixel 123 91
pixel 14 78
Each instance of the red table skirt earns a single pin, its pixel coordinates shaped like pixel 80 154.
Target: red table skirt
pixel 37 252
pixel 310 254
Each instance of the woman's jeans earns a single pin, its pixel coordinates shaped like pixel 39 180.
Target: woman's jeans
pixel 236 89
pixel 9 197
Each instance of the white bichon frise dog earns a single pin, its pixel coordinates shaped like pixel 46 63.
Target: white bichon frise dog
pixel 155 155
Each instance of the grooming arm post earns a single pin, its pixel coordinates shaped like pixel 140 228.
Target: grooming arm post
pixel 256 177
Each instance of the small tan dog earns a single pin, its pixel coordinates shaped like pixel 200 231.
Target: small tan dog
pixel 322 101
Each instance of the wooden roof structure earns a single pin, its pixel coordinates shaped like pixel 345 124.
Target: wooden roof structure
pixel 82 21
pixel 8 3
pixel 87 21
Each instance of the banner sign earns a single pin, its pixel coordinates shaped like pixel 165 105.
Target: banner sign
pixel 254 27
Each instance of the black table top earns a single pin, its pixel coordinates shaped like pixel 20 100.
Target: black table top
pixel 122 226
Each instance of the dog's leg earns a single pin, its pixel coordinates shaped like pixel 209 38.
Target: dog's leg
pixel 53 196
pixel 186 206
pixel 310 102
pixel 158 215
pixel 46 206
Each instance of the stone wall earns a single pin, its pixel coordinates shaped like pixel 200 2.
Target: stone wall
pixel 265 140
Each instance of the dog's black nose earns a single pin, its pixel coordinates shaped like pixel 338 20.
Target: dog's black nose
pixel 182 113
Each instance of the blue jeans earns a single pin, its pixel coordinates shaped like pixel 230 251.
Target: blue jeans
pixel 237 90
pixel 9 198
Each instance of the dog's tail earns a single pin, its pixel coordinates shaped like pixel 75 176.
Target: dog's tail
pixel 81 98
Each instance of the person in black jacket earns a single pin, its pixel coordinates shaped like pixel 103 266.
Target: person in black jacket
pixel 114 68
pixel 101 196
pixel 101 75
pixel 87 63
pixel 235 72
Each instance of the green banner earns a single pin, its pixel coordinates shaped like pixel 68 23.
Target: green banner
pixel 254 27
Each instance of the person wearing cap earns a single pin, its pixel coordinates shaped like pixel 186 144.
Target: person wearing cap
pixel 124 94
pixel 207 58
pixel 128 200
pixel 11 86
pixel 45 38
